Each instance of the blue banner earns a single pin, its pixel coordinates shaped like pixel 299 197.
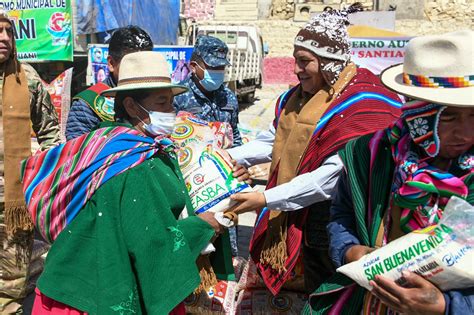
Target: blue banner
pixel 177 56
pixel 160 18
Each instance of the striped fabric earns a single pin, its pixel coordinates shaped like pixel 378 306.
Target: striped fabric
pixel 57 183
pixel 281 102
pixel 102 106
pixel 360 97
pixel 422 119
pixel 363 107
pixel 378 173
pixel 370 196
pixel 438 82
pixel 420 189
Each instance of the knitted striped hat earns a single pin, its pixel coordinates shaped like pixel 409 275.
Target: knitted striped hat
pixel 326 36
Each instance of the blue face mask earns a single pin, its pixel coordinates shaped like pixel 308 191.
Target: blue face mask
pixel 212 80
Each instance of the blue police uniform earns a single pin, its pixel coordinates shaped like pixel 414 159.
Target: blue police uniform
pixel 222 106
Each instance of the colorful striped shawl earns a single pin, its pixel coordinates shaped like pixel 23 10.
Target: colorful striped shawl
pixel 369 166
pixel 58 183
pixel 370 162
pixel 419 188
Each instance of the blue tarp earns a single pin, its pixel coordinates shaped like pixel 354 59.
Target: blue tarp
pixel 160 18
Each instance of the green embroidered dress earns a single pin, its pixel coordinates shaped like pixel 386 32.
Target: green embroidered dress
pixel 126 252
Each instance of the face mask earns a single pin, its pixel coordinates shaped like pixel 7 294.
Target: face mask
pixel 160 123
pixel 213 79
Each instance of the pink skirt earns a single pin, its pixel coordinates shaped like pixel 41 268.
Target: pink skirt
pixel 44 305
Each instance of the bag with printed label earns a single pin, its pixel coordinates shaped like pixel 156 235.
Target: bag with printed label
pixel 442 254
pixel 206 167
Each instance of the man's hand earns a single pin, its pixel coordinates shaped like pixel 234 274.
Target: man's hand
pixel 211 220
pixel 241 173
pixel 238 171
pixel 356 252
pixel 248 201
pixel 418 296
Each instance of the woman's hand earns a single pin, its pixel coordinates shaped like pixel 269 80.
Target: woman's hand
pixel 241 172
pixel 211 220
pixel 356 252
pixel 248 201
pixel 418 296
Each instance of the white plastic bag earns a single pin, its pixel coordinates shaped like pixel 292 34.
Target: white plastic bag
pixel 442 254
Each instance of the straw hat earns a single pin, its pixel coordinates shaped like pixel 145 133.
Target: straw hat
pixel 438 69
pixel 144 70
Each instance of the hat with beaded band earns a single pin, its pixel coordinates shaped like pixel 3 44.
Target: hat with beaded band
pixel 438 69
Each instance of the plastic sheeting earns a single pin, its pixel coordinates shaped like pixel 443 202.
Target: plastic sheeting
pixel 160 18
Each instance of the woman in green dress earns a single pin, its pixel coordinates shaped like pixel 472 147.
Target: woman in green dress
pixel 111 201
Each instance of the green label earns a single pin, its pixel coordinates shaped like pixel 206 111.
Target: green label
pixel 43 28
pixel 399 258
pixel 207 194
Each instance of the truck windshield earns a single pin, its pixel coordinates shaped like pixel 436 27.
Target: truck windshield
pixel 226 37
pixel 239 40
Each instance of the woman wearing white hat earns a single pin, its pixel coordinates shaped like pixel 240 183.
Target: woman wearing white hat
pixel 398 180
pixel 110 201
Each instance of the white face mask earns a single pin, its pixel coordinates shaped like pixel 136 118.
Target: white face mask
pixel 160 123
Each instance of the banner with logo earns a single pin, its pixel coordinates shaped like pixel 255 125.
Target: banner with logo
pixel 178 58
pixel 377 54
pixel 43 28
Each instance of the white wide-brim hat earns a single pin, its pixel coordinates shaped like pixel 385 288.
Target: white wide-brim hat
pixel 438 69
pixel 144 70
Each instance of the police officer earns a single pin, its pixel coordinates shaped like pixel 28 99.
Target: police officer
pixel 208 98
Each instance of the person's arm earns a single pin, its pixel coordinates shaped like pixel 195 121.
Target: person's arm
pixel 459 301
pixel 257 151
pixel 300 192
pixel 164 230
pixel 236 133
pixel 81 120
pixel 196 231
pixel 306 189
pixel 44 118
pixel 341 228
pixel 234 121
